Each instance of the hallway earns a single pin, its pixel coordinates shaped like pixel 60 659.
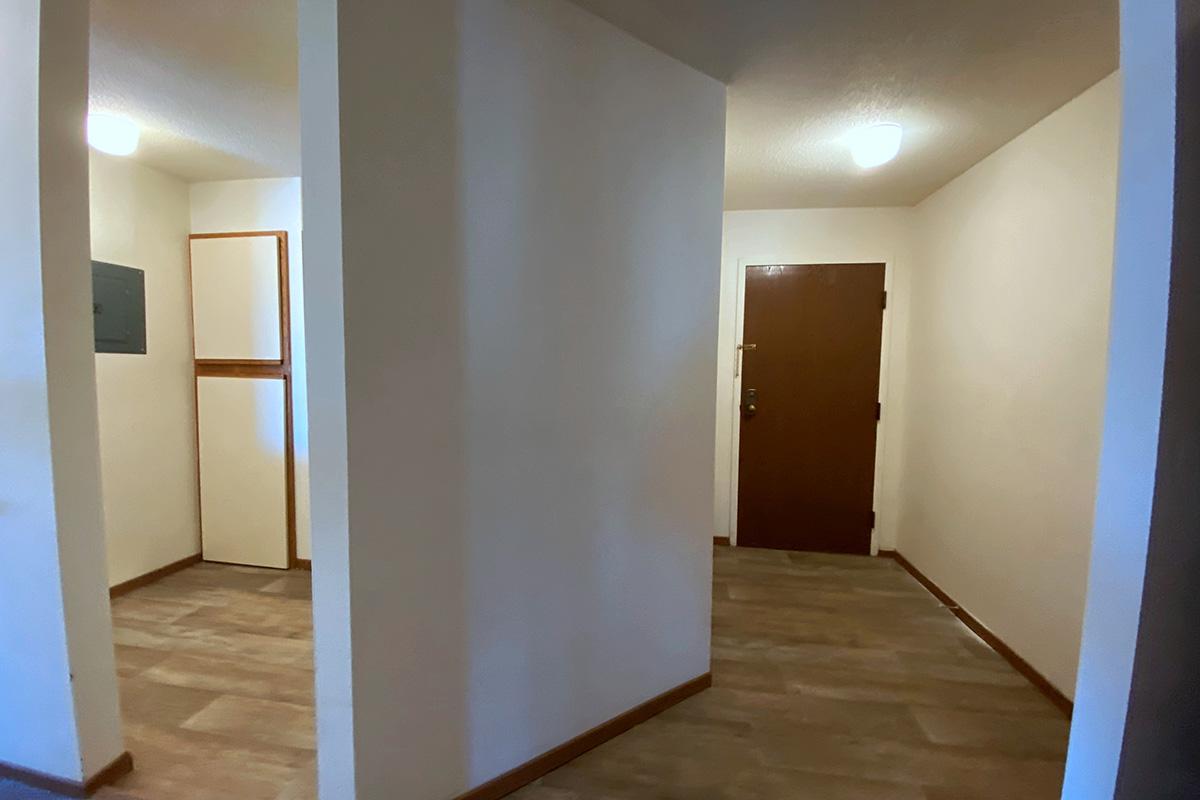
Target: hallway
pixel 835 678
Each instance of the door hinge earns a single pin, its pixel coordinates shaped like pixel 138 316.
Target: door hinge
pixel 878 411
pixel 872 520
pixel 884 306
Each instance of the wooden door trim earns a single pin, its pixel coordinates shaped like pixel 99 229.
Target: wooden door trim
pixel 272 363
pixel 885 375
pixel 256 369
pixel 247 369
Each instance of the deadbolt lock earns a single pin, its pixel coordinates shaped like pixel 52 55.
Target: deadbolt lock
pixel 749 402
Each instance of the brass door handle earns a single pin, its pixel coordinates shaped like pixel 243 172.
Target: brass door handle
pixel 742 349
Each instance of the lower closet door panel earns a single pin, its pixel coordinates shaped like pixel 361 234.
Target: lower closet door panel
pixel 243 470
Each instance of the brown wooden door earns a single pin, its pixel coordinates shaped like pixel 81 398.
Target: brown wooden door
pixel 810 385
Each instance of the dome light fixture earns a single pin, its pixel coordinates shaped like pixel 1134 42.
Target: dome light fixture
pixel 876 145
pixel 116 136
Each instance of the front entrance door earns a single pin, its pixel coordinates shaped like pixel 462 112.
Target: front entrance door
pixel 809 406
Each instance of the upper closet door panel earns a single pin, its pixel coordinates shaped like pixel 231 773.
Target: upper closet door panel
pixel 236 298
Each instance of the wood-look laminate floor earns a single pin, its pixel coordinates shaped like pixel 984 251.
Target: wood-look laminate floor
pixel 835 678
pixel 216 675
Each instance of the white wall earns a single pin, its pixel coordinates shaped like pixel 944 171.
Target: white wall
pixel 270 205
pixel 140 218
pixel 1006 363
pixel 1142 288
pixel 513 408
pixel 58 690
pixel 591 232
pixel 819 236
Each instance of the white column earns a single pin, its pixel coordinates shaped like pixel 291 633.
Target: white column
pixel 377 111
pixel 512 222
pixel 58 695
pixel 1129 459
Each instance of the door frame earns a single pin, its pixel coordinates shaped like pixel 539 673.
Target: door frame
pixel 885 375
pixel 273 369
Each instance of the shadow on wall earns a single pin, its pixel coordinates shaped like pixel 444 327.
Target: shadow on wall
pixel 592 241
pixel 387 370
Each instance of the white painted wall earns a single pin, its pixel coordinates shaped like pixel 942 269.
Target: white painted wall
pixel 819 236
pixel 591 234
pixel 58 690
pixel 1006 366
pixel 140 218
pixel 1130 458
pixel 270 205
pixel 513 408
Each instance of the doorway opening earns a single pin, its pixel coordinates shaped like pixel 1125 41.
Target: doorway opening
pixel 203 436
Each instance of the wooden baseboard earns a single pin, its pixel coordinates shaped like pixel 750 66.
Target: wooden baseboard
pixel 238 564
pixel 156 575
pixel 1022 666
pixel 118 769
pixel 721 541
pixel 530 771
pixel 304 564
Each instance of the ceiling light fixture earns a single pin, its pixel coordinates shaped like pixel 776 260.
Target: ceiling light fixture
pixel 116 136
pixel 876 145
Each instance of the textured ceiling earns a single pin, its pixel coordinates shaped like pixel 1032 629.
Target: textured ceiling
pixel 962 76
pixel 212 82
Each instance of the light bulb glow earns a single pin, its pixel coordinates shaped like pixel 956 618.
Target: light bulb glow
pixel 876 145
pixel 113 135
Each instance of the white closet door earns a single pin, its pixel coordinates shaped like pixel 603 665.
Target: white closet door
pixel 236 298
pixel 243 447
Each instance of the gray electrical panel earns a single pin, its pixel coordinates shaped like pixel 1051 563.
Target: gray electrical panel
pixel 119 308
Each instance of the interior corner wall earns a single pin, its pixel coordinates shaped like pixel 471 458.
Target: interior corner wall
pixel 270 204
pixel 819 236
pixel 1007 359
pixel 512 457
pixel 147 406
